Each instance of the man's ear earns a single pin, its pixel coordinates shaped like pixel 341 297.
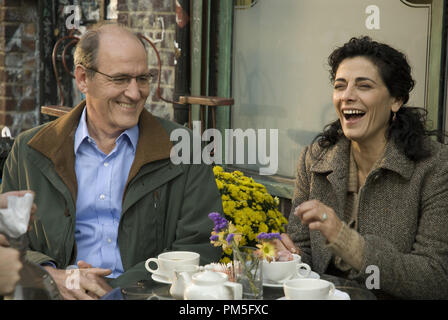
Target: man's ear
pixel 81 78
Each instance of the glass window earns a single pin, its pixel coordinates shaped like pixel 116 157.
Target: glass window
pixel 280 72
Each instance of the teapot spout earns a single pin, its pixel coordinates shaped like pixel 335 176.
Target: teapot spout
pixel 186 277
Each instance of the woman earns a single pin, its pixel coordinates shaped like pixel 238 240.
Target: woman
pixel 371 194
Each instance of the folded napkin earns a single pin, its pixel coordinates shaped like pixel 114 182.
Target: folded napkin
pixel 15 218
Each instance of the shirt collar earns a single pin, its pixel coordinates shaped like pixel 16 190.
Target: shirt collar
pixel 82 133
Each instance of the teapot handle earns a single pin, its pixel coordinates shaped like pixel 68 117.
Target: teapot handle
pixel 236 289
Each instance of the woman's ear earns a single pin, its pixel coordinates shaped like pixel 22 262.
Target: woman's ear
pixel 396 105
pixel 81 78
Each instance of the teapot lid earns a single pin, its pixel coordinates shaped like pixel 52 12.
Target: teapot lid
pixel 208 276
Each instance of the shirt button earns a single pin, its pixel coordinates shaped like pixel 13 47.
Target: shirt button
pixel 109 240
pixel 106 164
pixel 102 197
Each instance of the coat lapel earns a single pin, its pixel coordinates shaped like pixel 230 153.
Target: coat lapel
pixel 153 144
pixel 334 165
pixel 395 160
pixel 55 141
pixel 331 171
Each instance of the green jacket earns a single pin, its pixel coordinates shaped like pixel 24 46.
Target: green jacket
pixel 165 206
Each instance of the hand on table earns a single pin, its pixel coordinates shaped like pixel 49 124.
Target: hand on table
pixel 85 283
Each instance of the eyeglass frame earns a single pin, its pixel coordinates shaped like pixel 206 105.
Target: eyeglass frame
pixel 126 77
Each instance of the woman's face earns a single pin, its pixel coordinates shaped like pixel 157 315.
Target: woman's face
pixel 362 101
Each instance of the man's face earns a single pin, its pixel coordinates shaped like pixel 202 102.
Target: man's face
pixel 114 106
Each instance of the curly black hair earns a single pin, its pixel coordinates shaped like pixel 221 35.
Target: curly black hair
pixel 408 130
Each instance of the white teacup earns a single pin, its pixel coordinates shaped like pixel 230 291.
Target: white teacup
pixel 280 271
pixel 168 260
pixel 308 289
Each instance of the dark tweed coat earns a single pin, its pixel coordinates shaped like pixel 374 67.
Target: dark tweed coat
pixel 403 217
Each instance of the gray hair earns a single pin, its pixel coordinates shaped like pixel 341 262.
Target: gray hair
pixel 86 51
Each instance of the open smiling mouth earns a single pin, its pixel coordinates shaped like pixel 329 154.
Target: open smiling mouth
pixel 127 106
pixel 351 115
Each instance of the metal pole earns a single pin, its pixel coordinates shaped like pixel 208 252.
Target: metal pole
pixel 182 73
pixel 224 69
pixel 196 55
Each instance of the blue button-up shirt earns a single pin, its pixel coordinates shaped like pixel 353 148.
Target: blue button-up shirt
pixel 101 181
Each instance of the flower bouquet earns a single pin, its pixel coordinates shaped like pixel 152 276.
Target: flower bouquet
pixel 246 266
pixel 249 207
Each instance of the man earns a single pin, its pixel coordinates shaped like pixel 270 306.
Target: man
pixel 108 196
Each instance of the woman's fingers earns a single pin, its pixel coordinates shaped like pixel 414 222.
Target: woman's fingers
pixel 285 246
pixel 289 244
pixel 318 216
pixel 312 211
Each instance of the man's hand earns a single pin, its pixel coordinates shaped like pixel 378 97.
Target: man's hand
pixel 10 267
pixel 81 284
pixel 3 241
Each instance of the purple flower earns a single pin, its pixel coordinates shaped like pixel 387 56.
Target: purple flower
pixel 220 222
pixel 268 236
pixel 214 238
pixel 230 237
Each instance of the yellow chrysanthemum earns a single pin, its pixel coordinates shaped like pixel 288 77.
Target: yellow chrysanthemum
pixel 249 206
pixel 217 169
pixel 219 184
pixel 267 251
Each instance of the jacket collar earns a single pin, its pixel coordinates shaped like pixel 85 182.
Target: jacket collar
pixel 336 159
pixel 56 142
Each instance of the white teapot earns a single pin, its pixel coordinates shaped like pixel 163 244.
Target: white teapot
pixel 210 285
pixel 182 272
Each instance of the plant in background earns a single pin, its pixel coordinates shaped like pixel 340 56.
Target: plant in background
pixel 249 208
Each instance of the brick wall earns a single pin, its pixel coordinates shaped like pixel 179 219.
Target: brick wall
pixel 19 55
pixel 18 67
pixel 145 17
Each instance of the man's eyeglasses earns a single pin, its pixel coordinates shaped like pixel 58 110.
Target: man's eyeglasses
pixel 125 80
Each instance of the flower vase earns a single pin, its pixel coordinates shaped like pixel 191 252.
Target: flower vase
pixel 247 266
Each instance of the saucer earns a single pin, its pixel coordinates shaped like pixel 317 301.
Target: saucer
pixel 338 295
pixel 161 279
pixel 267 283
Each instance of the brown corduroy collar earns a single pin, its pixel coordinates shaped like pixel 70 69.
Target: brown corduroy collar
pixel 56 142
